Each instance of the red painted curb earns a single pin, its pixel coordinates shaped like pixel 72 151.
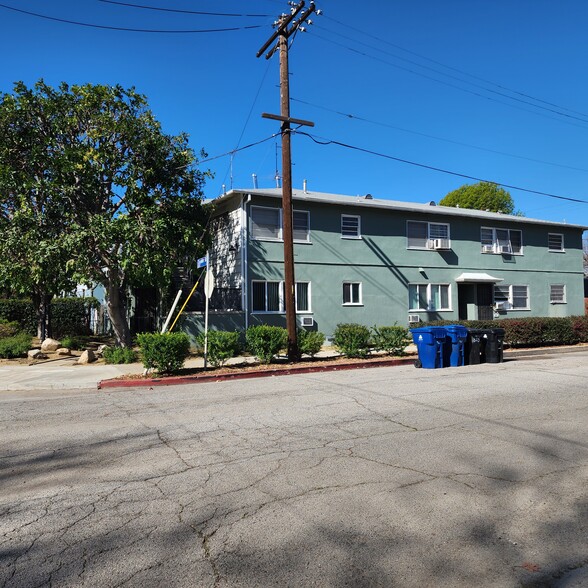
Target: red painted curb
pixel 203 378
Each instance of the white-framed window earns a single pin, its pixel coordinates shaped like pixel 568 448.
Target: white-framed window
pixel 268 296
pixel 424 235
pixel 555 242
pixel 350 226
pixel 511 297
pixel 429 297
pixel 352 293
pixel 501 241
pixel 301 225
pixel 557 293
pixel 266 223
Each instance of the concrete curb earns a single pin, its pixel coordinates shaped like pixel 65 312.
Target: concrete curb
pixel 211 377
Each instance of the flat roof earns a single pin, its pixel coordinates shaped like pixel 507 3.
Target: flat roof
pixel 363 202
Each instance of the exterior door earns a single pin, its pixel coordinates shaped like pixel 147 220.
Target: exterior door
pixel 484 297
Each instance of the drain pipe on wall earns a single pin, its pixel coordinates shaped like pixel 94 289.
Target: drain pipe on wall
pixel 244 256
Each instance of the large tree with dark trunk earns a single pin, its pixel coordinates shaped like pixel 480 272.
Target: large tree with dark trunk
pixel 125 199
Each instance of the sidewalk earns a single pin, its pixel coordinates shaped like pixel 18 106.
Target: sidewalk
pixel 65 374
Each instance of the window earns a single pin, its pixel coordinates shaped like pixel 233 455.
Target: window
pixel 301 225
pixel 352 293
pixel 269 296
pixel 350 226
pixel 421 235
pixel 501 241
pixel 428 297
pixel 511 297
pixel 266 223
pixel 557 294
pixel 555 242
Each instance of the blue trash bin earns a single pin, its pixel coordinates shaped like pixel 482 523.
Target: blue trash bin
pixel 430 342
pixel 455 348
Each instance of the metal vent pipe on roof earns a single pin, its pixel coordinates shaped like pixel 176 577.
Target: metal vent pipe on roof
pixel 254 176
pixel 304 186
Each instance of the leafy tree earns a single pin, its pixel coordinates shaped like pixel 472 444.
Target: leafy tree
pixel 480 196
pixel 128 197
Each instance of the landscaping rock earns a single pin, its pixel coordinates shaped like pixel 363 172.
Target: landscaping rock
pixel 50 345
pixel 63 351
pixel 87 356
pixel 36 354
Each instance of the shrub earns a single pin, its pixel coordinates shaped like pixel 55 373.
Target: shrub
pixel 76 343
pixel 265 341
pixel 71 316
pixel 164 352
pixel 392 340
pixel 20 311
pixel 580 328
pixel 352 339
pixel 310 342
pixel 8 328
pixel 13 347
pixel 221 346
pixel 119 355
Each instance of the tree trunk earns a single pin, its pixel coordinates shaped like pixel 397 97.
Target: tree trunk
pixel 41 303
pixel 117 312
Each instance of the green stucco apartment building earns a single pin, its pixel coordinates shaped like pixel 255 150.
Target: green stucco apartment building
pixel 384 262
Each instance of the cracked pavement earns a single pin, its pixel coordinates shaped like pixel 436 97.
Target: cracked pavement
pixel 473 476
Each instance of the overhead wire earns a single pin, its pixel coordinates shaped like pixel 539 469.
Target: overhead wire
pixel 323 141
pixel 421 134
pixel 233 151
pixel 127 29
pixel 179 11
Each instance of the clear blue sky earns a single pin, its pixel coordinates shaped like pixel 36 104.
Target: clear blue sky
pixel 491 89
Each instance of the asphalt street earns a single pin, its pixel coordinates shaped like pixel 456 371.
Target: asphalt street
pixel 392 477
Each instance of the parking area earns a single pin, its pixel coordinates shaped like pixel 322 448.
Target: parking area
pixel 470 476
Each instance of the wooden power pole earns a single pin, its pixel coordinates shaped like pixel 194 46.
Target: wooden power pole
pixel 286 26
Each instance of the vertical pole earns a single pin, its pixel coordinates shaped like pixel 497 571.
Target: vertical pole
pixel 206 318
pixel 287 232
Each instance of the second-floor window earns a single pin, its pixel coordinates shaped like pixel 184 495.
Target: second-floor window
pixel 350 226
pixel 423 235
pixel 501 241
pixel 555 242
pixel 301 225
pixel 266 224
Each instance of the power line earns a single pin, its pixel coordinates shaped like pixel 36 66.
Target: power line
pixel 323 141
pixel 390 126
pixel 233 151
pixel 158 8
pixel 126 29
pixel 502 87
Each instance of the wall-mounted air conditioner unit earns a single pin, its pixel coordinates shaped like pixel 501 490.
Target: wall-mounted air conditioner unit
pixel 440 243
pixel 504 249
pixel 307 321
pixel 487 248
pixel 414 318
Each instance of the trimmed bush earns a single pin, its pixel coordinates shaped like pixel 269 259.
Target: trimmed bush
pixel 8 328
pixel 310 342
pixel 76 343
pixel 265 341
pixel 221 346
pixel 71 316
pixel 13 347
pixel 165 353
pixel 352 339
pixel 392 340
pixel 119 355
pixel 21 312
pixel 580 328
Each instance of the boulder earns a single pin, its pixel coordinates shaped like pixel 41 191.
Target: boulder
pixel 50 345
pixel 87 356
pixel 63 351
pixel 36 354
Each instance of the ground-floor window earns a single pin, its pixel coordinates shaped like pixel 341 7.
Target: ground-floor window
pixel 268 296
pixel 557 294
pixel 429 297
pixel 352 293
pixel 511 297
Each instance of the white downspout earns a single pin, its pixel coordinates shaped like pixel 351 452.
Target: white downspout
pixel 244 258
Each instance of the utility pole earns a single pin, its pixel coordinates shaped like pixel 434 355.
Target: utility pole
pixel 287 25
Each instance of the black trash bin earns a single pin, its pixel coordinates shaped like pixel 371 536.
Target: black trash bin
pixel 475 350
pixel 494 345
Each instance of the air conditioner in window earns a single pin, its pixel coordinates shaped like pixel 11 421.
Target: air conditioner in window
pixel 414 318
pixel 502 305
pixel 504 249
pixel 307 321
pixel 440 243
pixel 487 248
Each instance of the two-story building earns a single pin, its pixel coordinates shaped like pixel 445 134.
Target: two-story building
pixel 383 262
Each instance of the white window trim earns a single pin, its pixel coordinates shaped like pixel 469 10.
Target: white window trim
pixel 429 245
pixel 565 298
pixel 430 298
pixel 280 231
pixel 356 216
pixel 282 303
pixel 511 297
pixel 562 250
pixel 307 240
pixel 495 246
pixel 360 303
pixel 309 311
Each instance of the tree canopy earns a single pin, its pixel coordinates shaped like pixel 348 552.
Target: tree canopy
pixel 119 201
pixel 481 196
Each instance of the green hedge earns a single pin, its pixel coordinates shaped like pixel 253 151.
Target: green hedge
pixel 532 331
pixel 13 347
pixel 221 346
pixel 69 316
pixel 164 352
pixel 265 341
pixel 352 339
